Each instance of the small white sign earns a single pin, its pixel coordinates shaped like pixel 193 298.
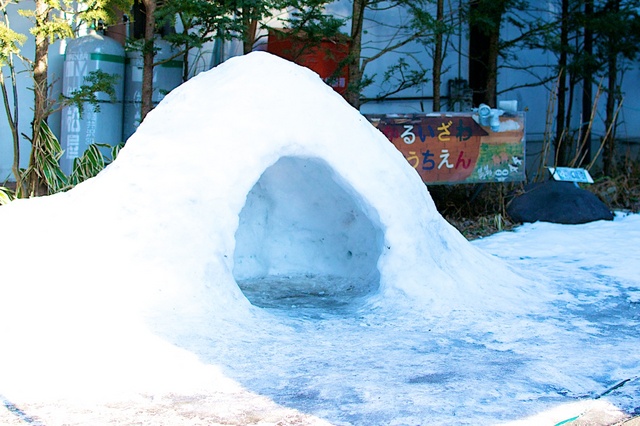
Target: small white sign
pixel 568 174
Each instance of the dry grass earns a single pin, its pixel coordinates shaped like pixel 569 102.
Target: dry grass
pixel 621 192
pixel 475 210
pixel 480 210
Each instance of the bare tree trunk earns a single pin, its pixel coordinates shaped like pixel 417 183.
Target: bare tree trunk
pixel 35 183
pixel 438 56
pixel 562 150
pixel 12 114
pixel 147 58
pixel 484 45
pixel 608 154
pixel 12 118
pixel 250 26
pixel 354 70
pixel 492 68
pixel 587 94
pixel 571 143
pixel 185 62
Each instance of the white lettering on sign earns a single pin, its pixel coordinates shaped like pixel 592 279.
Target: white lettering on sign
pixel 73 133
pixel 408 136
pixel 568 174
pixel 77 57
pixel 73 146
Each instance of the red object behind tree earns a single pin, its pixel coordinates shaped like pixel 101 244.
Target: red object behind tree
pixel 327 57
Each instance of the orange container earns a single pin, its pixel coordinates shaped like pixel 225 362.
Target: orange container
pixel 327 57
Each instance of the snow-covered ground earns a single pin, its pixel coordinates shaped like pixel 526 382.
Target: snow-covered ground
pixel 355 302
pixel 349 366
pixel 466 367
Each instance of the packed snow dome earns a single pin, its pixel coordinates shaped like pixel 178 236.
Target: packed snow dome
pixel 251 187
pixel 257 173
pixel 302 194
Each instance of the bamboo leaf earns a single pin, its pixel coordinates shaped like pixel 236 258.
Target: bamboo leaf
pixel 115 151
pixel 6 195
pixel 47 156
pixel 89 164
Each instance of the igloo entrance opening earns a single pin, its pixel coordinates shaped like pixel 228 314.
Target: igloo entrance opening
pixel 306 239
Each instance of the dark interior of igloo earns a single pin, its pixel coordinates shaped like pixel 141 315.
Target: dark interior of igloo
pixel 306 239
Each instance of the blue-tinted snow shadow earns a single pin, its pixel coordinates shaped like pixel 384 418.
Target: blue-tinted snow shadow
pixel 350 364
pixel 382 367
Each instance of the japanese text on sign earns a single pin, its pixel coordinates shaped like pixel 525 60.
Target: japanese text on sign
pixel 454 148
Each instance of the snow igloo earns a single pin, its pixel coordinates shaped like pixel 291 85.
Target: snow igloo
pixel 292 193
pixel 251 187
pixel 256 184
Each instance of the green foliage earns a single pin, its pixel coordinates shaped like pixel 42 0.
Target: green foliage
pixel 55 25
pixel 423 18
pixel 487 15
pixel 10 42
pixel 254 10
pixel 309 17
pixel 48 25
pixel 529 28
pixel 102 10
pixel 617 25
pixel 96 157
pixel 92 161
pixel 96 82
pixel 46 165
pixel 6 195
pixel 202 21
pixel 401 76
pixel 310 26
pixel 616 30
pixel 52 20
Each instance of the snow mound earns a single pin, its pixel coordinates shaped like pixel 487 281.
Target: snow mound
pixel 254 173
pixel 277 176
